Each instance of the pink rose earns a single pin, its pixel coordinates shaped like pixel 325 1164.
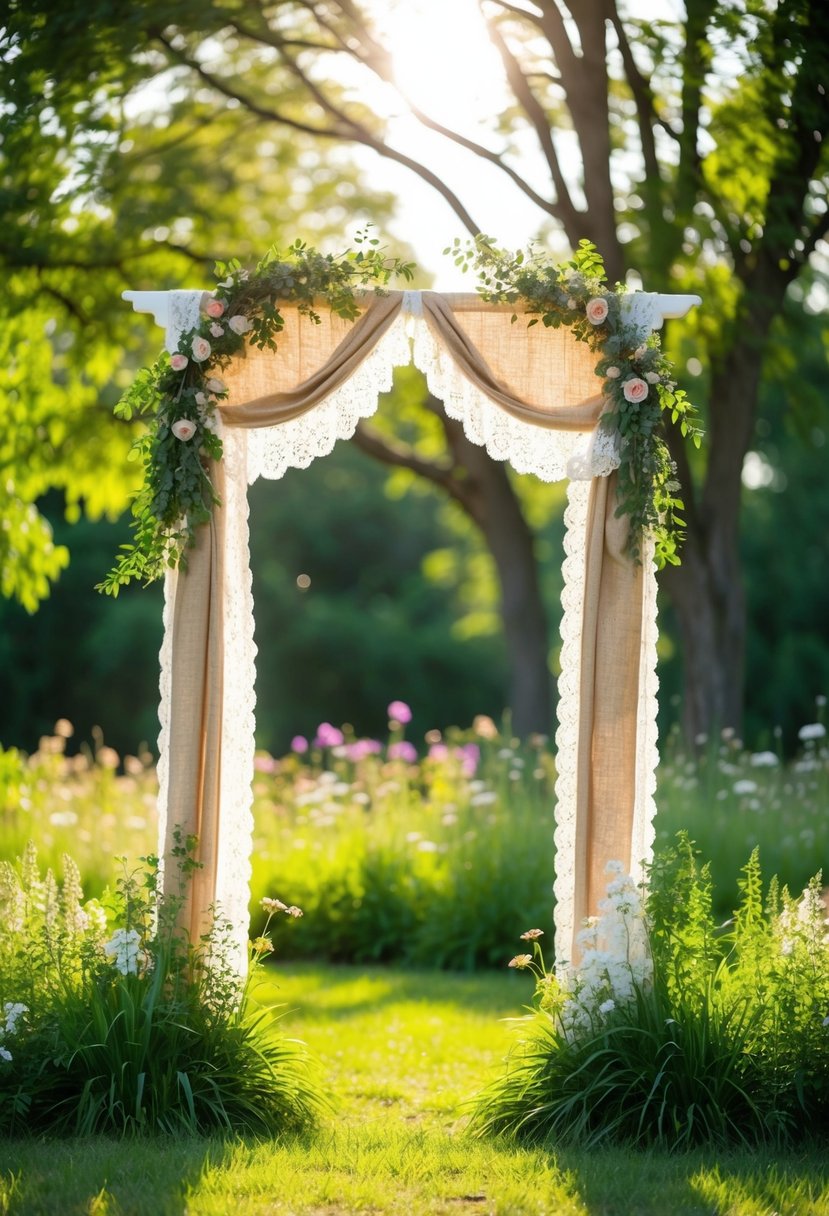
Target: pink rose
pixel 239 324
pixel 201 349
pixel 635 389
pixel 214 308
pixel 183 429
pixel 596 310
pixel 215 385
pixel 178 362
pixel 613 373
pixel 217 330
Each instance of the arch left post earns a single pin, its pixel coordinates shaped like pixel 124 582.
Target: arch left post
pixel 206 711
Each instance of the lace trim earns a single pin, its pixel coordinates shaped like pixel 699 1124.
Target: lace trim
pixel 550 455
pixel 647 739
pixel 182 315
pixel 239 715
pixel 295 444
pixel 567 735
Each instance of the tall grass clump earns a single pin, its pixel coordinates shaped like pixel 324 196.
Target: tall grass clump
pixel 673 1030
pixel 113 1021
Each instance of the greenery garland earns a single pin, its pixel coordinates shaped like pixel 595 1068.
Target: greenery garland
pixel 178 395
pixel 638 378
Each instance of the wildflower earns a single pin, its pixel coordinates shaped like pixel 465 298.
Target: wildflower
pixel 614 867
pixel 273 905
pixel 403 750
pixel 262 945
pixel 294 911
pixel 531 935
pixel 520 961
pixel 328 736
pixel 469 754
pixel 13 1011
pixel 764 760
pixel 5 1055
pixel 485 798
pixel 399 712
pixel 183 429
pixel 64 728
pixel 596 310
pixel 299 744
pixel 123 948
pixel 745 786
pixel 812 731
pixel 607 1006
pixel 438 751
pixel 483 725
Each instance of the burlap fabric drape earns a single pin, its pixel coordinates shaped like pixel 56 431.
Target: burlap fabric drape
pixel 541 376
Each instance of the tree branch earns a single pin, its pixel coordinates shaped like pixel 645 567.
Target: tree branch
pixel 400 456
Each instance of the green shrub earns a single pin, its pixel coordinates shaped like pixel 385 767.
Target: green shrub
pixel 673 1030
pixel 114 1022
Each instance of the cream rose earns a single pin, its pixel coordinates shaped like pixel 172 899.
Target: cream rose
pixel 215 385
pixel 178 362
pixel 652 377
pixel 183 429
pixel 635 389
pixel 201 349
pixel 239 324
pixel 217 330
pixel 596 310
pixel 613 373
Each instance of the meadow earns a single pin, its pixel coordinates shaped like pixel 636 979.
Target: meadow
pixel 417 869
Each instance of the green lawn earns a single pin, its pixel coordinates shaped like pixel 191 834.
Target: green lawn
pixel 401 1052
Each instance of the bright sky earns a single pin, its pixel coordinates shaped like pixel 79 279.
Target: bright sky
pixel 446 64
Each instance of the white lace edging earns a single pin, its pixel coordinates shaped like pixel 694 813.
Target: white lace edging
pixel 567 734
pixel 239 704
pixel 182 315
pixel 647 740
pixel 295 444
pixel 551 455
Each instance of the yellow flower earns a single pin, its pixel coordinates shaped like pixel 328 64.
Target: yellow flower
pixel 262 945
pixel 521 961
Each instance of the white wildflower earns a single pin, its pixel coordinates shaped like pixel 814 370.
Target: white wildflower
pixel 124 949
pixel 812 731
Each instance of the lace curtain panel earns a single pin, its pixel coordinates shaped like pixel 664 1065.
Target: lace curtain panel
pixel 529 395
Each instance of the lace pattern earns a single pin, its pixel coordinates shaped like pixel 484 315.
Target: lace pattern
pixel 295 444
pixel 647 742
pixel 550 455
pixel 567 734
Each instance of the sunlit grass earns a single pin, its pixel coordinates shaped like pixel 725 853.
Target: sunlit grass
pixel 400 1051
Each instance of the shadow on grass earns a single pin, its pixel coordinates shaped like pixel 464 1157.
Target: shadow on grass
pixel 619 1181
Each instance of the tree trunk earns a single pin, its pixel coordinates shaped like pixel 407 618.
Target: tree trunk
pixel 497 512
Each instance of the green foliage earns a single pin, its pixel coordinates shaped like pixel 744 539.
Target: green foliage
pixel 133 1028
pixel 716 1035
pixel 638 382
pixel 179 394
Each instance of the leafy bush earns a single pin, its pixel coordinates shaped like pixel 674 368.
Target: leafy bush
pixel 132 1028
pixel 673 1030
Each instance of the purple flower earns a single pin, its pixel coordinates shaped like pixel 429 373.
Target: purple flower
pixel 469 754
pixel 360 748
pixel 328 736
pixel 399 712
pixel 438 751
pixel 299 744
pixel 403 750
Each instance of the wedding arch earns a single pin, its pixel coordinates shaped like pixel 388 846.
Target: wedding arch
pixel 528 394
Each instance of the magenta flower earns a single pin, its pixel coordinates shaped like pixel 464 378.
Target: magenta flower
pixel 403 750
pixel 469 754
pixel 299 744
pixel 360 748
pixel 399 712
pixel 328 736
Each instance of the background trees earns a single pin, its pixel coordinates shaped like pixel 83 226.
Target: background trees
pixel 690 148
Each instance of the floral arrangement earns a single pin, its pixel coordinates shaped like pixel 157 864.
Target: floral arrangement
pixel 178 395
pixel 638 386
